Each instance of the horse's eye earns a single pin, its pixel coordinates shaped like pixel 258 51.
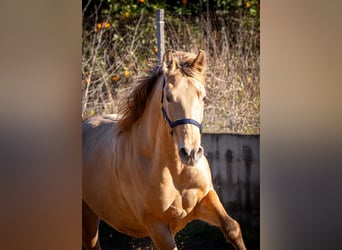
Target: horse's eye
pixel 204 98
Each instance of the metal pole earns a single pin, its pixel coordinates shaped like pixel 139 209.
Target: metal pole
pixel 160 34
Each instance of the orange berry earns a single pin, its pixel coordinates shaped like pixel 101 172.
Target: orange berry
pixel 141 1
pixel 155 50
pixel 99 25
pixel 116 78
pixel 248 4
pixel 127 14
pixel 106 25
pixel 126 73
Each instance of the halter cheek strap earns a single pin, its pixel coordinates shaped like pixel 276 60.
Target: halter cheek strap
pixel 180 121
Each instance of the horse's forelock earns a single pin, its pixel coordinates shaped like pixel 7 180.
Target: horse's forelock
pixel 185 65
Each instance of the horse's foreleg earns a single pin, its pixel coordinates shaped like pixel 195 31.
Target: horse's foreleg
pixel 90 232
pixel 211 210
pixel 161 236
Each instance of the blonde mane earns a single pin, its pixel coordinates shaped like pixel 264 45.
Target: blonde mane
pixel 134 105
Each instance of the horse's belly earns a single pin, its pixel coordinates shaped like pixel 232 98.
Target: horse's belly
pixel 126 225
pixel 110 207
pixel 119 216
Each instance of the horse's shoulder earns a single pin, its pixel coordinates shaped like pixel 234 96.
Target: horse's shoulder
pixel 98 134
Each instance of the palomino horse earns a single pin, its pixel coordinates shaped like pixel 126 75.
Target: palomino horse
pixel 146 174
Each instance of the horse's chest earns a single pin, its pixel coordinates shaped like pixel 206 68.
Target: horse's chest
pixel 189 199
pixel 184 193
pixel 183 204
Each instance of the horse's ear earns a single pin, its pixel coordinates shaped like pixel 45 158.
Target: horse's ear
pixel 169 62
pixel 200 61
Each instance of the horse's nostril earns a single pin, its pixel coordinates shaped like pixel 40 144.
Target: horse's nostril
pixel 191 155
pixel 184 152
pixel 198 154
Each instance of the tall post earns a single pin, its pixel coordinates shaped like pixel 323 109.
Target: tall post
pixel 160 34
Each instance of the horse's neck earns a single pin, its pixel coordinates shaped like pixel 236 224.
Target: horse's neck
pixel 153 133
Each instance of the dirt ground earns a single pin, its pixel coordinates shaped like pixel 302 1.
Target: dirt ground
pixel 196 235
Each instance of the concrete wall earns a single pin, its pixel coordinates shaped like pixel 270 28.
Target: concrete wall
pixel 235 165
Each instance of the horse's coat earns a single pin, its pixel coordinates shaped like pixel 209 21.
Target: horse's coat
pixel 140 178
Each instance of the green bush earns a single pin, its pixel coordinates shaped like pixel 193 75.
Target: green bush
pixel 127 8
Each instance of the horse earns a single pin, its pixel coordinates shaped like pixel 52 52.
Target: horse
pixel 146 174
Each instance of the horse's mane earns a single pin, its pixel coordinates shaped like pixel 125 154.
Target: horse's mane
pixel 134 105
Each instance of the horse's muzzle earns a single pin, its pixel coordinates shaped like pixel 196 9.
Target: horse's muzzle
pixel 189 156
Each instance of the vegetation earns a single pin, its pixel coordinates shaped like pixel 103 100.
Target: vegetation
pixel 120 8
pixel 119 42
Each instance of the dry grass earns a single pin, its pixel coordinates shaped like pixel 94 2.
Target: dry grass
pixel 114 56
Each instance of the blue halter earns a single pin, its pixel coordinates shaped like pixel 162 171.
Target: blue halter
pixel 180 121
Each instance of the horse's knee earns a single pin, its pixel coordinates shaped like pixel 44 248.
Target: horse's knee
pixel 233 230
pixel 234 235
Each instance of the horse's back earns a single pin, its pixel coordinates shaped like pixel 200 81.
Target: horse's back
pixel 97 135
pixel 97 144
pixel 100 121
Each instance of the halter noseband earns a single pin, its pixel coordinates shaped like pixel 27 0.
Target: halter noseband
pixel 180 121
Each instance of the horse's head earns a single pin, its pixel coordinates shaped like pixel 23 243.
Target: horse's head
pixel 183 101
